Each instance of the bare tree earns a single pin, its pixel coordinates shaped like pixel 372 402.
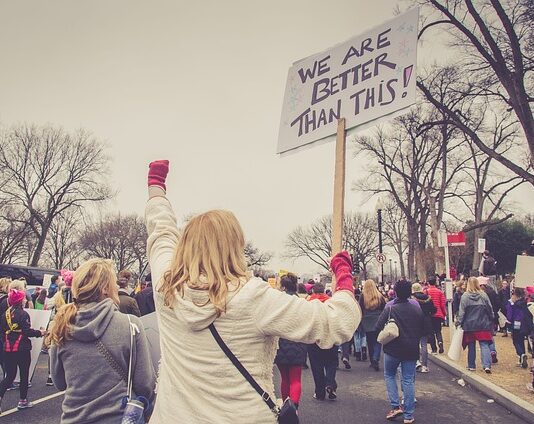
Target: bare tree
pixel 62 249
pixel 314 242
pixel 117 237
pixel 13 235
pixel 394 229
pixel 494 41
pixel 46 171
pixel 256 258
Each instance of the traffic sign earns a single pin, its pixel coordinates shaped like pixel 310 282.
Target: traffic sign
pixel 380 258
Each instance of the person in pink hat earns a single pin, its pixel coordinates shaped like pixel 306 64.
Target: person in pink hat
pixel 16 329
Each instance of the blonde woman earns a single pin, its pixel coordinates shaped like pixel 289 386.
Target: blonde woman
pixel 372 304
pixel 476 318
pixel 200 277
pixel 90 349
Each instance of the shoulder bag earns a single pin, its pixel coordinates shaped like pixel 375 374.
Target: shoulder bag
pixel 134 408
pixel 287 414
pixel 390 331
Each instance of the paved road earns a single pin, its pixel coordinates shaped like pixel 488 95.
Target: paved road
pixel 362 399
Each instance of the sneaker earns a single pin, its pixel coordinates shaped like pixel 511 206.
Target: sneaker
pixel 394 413
pixel 425 370
pixel 487 370
pixel 13 387
pixel 374 364
pixel 441 350
pixel 524 361
pixel 24 404
pixel 409 420
pixel 530 387
pixel 494 359
pixel 346 363
pixel 317 398
pixel 332 395
pixel 471 369
pixel 418 366
pixel 49 382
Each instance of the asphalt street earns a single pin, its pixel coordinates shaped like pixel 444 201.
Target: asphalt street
pixel 361 399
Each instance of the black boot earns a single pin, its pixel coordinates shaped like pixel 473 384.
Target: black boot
pixel 358 356
pixel 364 354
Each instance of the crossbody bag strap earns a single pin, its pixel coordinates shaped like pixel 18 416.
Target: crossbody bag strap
pixel 264 395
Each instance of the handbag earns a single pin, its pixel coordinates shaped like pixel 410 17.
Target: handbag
pixel 455 349
pixel 287 414
pixel 390 331
pixel 134 408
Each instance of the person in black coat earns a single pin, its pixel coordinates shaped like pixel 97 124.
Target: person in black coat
pixel 291 356
pixel 429 309
pixel 145 298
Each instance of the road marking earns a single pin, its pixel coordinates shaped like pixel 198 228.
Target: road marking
pixel 35 402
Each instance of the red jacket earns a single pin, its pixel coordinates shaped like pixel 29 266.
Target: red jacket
pixel 438 298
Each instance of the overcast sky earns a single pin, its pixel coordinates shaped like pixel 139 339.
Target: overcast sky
pixel 200 83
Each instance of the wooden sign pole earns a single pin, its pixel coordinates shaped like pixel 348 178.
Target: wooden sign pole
pixel 339 188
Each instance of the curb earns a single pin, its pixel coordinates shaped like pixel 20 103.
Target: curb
pixel 511 402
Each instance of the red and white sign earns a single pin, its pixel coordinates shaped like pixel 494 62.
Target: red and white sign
pixel 456 239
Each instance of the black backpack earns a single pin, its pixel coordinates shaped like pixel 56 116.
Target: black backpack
pixel 527 326
pixel 489 267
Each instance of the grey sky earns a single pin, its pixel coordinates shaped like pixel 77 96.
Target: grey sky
pixel 199 83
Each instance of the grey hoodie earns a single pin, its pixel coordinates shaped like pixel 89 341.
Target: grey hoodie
pixel 476 313
pixel 93 389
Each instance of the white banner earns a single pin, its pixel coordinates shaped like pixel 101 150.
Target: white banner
pixel 370 76
pixel 39 320
pixel 524 271
pixel 481 245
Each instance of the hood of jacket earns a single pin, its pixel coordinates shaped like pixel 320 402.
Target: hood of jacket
pixel 422 298
pixel 195 308
pixel 475 297
pixel 319 296
pixel 92 320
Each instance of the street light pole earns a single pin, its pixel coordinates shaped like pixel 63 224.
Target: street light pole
pixel 379 217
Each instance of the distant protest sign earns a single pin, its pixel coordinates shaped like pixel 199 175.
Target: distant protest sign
pixel 365 78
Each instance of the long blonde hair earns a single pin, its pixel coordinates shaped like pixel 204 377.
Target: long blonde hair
pixel 209 255
pixel 473 286
pixel 93 281
pixel 371 296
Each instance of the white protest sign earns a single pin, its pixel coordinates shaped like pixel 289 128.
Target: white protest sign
pixel 370 76
pixel 150 324
pixel 481 245
pixel 38 319
pixel 524 271
pixel 47 280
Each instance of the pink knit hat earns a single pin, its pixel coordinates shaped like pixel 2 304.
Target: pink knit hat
pixel 67 276
pixel 15 297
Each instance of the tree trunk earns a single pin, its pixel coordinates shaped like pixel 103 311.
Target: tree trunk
pixel 412 235
pixel 36 257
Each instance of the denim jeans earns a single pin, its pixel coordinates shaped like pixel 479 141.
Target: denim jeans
pixel 374 347
pixel 423 356
pixel 323 363
pixel 484 352
pixel 492 346
pixel 391 364
pixel 359 340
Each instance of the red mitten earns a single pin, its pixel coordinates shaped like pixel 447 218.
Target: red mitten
pixel 341 265
pixel 157 173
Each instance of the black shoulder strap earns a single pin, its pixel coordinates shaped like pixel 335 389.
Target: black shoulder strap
pixel 264 395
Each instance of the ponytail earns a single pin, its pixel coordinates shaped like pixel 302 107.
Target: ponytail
pixel 60 331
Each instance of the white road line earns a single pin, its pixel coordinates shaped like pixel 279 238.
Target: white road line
pixel 35 402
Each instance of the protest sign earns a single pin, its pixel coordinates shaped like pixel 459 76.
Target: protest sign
pixel 39 319
pixel 524 271
pixel 150 324
pixel 370 76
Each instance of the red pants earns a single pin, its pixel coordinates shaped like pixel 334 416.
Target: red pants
pixel 291 384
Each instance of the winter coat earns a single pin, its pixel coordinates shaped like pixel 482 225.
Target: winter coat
pixel 127 304
pixel 476 313
pixel 94 389
pixel 410 320
pixel 145 301
pixel 518 315
pixel 291 353
pixel 197 383
pixel 428 308
pixel 495 302
pixel 438 297
pixel 457 296
pixel 370 316
pixel 16 337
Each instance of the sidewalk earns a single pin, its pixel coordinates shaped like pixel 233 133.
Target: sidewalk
pixel 507 382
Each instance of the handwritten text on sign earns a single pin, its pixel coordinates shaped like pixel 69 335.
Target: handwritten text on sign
pixel 367 77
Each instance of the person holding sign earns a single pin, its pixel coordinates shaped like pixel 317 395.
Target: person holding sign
pixel 16 329
pixel 213 316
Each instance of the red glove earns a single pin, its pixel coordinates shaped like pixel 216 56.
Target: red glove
pixel 157 173
pixel 341 265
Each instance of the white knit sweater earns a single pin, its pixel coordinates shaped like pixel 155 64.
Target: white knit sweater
pixel 198 384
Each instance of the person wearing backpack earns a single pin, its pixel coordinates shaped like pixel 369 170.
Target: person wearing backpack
pixel 16 330
pixel 488 268
pixel 518 316
pixel 428 308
